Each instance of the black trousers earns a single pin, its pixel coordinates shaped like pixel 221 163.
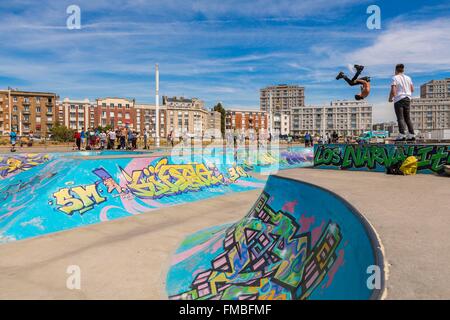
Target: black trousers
pixel 402 111
pixel 352 82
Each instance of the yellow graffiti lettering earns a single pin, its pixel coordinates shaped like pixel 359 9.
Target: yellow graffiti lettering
pixel 79 199
pixel 68 204
pixel 168 179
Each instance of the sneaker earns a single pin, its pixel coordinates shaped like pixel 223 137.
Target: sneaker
pixel 411 137
pixel 401 137
pixel 358 67
pixel 340 75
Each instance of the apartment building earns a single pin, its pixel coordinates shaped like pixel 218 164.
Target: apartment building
pixel 26 111
pixel 146 119
pixel 284 98
pixel 279 101
pixel 186 116
pixel 347 118
pixel 215 120
pixel 76 114
pixel 243 121
pixel 390 126
pixel 437 89
pixel 116 112
pixel 429 114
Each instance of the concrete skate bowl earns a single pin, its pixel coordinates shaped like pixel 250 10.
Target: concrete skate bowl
pixel 65 193
pixel 47 193
pixel 297 242
pixel 378 157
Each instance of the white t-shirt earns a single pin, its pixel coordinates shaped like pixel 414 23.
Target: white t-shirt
pixel 403 84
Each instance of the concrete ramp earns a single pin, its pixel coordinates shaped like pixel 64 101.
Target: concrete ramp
pixel 66 193
pixel 298 241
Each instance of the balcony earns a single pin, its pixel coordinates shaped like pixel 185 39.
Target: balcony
pixel 26 111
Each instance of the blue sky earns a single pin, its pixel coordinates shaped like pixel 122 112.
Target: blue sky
pixel 219 50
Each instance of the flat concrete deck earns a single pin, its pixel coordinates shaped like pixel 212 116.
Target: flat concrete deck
pixel 129 258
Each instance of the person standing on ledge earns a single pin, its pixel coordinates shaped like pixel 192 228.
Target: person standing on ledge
pixel 401 91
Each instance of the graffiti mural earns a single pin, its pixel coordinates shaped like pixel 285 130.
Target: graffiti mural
pixel 11 165
pixel 287 247
pixel 278 159
pixel 432 158
pixel 67 192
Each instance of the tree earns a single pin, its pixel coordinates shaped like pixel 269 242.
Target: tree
pixel 61 133
pixel 219 108
pixel 105 128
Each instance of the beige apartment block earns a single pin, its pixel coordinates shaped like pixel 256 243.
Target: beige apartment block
pixel 438 89
pixel 186 116
pixel 146 119
pixel 76 114
pixel 215 120
pixel 279 101
pixel 27 112
pixel 429 114
pixel 346 117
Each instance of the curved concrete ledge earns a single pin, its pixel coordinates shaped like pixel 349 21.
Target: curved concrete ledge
pixel 410 215
pixel 299 241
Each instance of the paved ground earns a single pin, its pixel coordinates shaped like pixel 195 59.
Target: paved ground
pixel 121 259
pixel 128 258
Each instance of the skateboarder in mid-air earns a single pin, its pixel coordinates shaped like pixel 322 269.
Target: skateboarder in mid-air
pixel 363 81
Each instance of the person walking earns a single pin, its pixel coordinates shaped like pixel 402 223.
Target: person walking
pixel 83 139
pixel 13 140
pixel 401 92
pixel 307 139
pixel 103 139
pixel 122 140
pixel 77 137
pixel 145 138
pixel 112 139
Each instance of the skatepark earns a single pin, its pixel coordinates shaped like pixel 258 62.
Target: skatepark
pixel 274 225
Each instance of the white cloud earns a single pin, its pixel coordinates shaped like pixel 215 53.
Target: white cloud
pixel 422 46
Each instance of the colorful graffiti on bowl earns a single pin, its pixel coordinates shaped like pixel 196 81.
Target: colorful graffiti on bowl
pixel 281 159
pixel 67 193
pixel 297 242
pixel 13 164
pixel 432 158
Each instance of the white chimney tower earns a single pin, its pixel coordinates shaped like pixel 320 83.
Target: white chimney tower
pixel 157 106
